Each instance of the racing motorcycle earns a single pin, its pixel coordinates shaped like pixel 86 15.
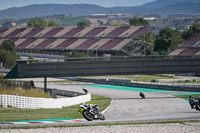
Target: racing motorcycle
pixel 194 103
pixel 142 95
pixel 91 113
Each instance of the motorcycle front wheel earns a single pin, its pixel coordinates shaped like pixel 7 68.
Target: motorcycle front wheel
pixel 102 117
pixel 87 115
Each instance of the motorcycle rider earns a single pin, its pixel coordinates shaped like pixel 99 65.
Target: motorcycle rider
pixel 91 107
pixel 191 101
pixel 194 102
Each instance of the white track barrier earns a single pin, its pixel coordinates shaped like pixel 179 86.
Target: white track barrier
pixel 37 103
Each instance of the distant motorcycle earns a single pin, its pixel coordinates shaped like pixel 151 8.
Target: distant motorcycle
pixel 90 113
pixel 194 103
pixel 142 95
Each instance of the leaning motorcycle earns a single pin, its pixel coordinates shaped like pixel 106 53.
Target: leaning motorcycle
pixel 194 103
pixel 91 114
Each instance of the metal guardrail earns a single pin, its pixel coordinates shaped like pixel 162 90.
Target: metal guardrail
pixel 105 58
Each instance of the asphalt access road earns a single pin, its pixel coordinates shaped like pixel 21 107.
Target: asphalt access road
pixel 128 106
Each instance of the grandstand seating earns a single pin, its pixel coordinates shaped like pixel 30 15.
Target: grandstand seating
pixel 189 47
pixel 98 44
pixel 86 44
pixel 54 44
pixel 74 31
pixel 34 44
pixel 62 32
pixel 7 32
pixel 14 39
pixel 3 30
pixel 121 44
pixel 73 38
pixel 139 32
pixel 177 51
pixel 197 53
pixel 15 32
pixel 130 31
pixel 76 44
pixel 117 31
pixel 45 43
pixel 33 32
pixel 26 43
pixel 65 43
pixel 189 52
pixel 192 40
pixel 110 44
pixel 19 41
pixel 95 31
pixel 83 32
pixel 21 34
pixel 53 32
pixel 43 32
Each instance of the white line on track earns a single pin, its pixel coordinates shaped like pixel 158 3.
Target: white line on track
pixel 107 107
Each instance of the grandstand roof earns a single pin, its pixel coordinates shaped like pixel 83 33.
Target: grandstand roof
pixel 189 48
pixel 108 38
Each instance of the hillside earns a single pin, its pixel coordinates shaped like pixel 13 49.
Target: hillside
pixel 160 7
pixel 46 9
pixel 166 3
pixel 183 8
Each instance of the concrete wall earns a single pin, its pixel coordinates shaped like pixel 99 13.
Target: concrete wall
pixel 36 103
pixel 106 67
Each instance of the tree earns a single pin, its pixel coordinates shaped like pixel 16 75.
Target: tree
pixel 8 53
pixel 117 24
pixel 52 24
pixel 36 23
pixel 31 59
pixel 195 28
pixel 83 24
pixel 167 40
pixel 7 58
pixel 8 45
pixel 138 22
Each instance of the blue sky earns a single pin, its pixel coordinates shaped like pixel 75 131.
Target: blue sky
pixel 4 4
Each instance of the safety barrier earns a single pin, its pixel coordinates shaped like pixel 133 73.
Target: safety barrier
pixel 37 103
pixel 173 80
pixel 117 80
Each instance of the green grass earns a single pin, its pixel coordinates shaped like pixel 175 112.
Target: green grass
pixel 13 114
pixel 34 92
pixel 186 97
pixel 142 78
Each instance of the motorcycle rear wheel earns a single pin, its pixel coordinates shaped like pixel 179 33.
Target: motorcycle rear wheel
pixel 87 115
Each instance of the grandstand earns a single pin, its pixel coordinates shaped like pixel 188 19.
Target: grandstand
pixel 110 39
pixel 189 48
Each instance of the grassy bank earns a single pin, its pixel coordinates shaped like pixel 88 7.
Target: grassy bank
pixel 186 97
pixel 13 114
pixel 34 92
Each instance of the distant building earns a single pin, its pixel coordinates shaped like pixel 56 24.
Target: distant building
pixel 151 18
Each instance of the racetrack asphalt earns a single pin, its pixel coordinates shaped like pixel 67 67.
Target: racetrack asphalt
pixel 128 106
